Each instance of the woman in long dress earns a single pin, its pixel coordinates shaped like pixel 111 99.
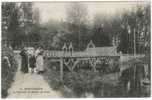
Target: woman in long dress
pixel 40 62
pixel 24 61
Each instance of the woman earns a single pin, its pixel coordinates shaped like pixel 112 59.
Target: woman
pixel 40 61
pixel 24 60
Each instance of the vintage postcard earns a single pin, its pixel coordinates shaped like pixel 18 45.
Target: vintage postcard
pixel 70 49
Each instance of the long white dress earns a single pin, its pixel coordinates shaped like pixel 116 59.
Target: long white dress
pixel 39 61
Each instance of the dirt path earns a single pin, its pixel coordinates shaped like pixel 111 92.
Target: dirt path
pixel 31 86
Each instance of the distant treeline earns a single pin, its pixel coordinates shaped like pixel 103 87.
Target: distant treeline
pixel 21 23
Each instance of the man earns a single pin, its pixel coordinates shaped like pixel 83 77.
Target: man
pixel 24 60
pixel 32 62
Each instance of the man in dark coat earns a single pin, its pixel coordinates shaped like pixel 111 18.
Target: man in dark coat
pixel 32 62
pixel 24 61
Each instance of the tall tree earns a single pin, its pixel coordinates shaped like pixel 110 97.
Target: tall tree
pixel 135 24
pixel 143 28
pixel 10 19
pixel 101 30
pixel 26 18
pixel 29 23
pixel 36 16
pixel 77 17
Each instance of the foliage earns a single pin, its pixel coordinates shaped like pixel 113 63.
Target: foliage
pixel 103 30
pixel 79 81
pixel 135 26
pixel 8 72
pixel 10 28
pixel 77 25
pixel 23 24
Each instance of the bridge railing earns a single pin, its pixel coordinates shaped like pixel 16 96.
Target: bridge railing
pixel 63 54
pixel 126 57
pixel 50 54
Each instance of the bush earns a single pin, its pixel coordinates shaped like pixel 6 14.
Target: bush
pixel 79 81
pixel 8 72
pixel 82 81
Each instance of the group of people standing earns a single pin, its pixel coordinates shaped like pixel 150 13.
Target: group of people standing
pixel 32 61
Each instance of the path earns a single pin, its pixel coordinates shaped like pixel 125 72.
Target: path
pixel 31 86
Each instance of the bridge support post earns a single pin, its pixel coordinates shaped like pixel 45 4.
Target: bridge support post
pixel 61 69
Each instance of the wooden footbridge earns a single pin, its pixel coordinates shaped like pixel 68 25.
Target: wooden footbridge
pixel 73 59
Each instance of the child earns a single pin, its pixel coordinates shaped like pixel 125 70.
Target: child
pixel 32 62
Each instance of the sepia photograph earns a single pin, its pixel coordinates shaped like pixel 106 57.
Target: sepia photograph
pixel 76 49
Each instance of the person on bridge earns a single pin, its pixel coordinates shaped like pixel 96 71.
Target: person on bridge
pixel 24 60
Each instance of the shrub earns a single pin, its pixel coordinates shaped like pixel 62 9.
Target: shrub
pixel 79 81
pixel 8 72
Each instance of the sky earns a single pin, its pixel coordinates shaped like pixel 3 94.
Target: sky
pixel 57 10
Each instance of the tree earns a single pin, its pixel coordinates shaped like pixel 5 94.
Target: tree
pixel 76 18
pixel 102 30
pixel 36 16
pixel 135 29
pixel 143 26
pixel 147 29
pixel 29 23
pixel 26 20
pixel 5 19
pixel 11 30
